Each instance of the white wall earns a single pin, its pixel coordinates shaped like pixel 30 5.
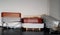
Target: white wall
pixel 26 7
pixel 55 8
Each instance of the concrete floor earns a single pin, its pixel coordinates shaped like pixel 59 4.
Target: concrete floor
pixel 19 32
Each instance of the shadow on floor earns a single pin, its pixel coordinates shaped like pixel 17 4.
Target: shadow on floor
pixel 19 32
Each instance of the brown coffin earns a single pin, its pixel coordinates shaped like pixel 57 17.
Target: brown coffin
pixel 10 14
pixel 32 20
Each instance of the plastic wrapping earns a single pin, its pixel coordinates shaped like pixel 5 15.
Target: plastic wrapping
pixel 51 22
pixel 32 24
pixel 12 24
pixel 10 19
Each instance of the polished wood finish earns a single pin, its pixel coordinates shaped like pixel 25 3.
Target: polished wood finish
pixel 32 20
pixel 10 14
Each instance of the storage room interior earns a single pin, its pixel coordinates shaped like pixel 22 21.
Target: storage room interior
pixel 30 8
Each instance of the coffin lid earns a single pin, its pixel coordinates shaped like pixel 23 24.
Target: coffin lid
pixel 10 14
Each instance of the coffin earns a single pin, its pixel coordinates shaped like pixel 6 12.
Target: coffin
pixel 32 20
pixel 10 19
pixel 32 24
pixel 51 22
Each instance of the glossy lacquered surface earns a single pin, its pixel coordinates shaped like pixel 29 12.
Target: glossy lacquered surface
pixel 32 20
pixel 10 14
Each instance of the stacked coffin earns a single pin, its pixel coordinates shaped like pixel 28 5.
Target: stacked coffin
pixel 12 20
pixel 32 24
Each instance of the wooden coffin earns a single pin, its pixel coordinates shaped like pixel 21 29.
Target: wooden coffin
pixel 32 20
pixel 10 14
